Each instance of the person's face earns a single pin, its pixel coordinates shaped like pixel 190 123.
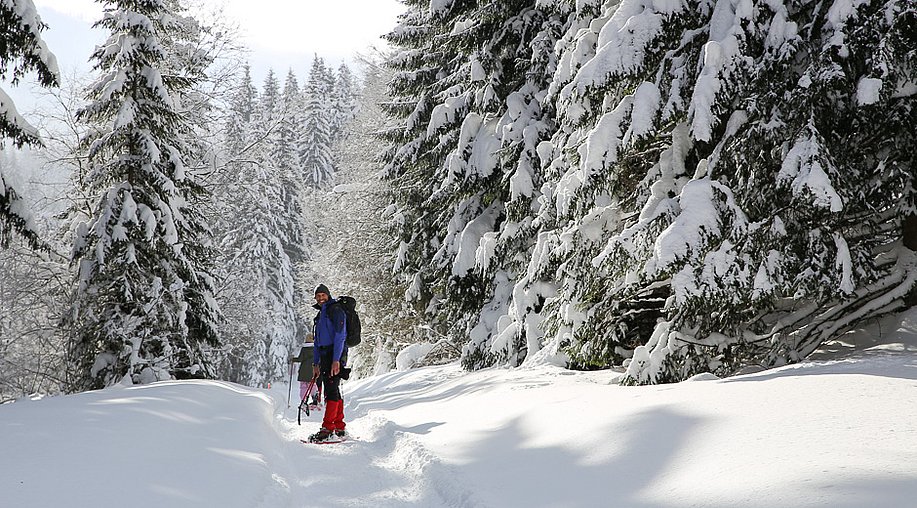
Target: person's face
pixel 321 298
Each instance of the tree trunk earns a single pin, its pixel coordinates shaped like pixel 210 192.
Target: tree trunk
pixel 909 239
pixel 909 232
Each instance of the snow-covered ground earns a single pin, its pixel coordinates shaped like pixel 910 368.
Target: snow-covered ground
pixel 830 432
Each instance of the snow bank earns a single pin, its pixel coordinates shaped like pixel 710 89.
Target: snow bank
pixel 838 431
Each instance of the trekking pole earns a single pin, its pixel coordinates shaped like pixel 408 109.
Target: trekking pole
pixel 304 402
pixel 290 389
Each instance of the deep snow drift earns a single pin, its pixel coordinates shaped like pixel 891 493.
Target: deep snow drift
pixel 829 432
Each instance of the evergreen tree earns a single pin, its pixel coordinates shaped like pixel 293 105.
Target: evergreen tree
pixel 427 74
pixel 263 275
pixel 358 212
pixel 285 158
pixel 343 106
pixel 713 193
pixel 268 111
pixel 239 139
pixel 257 274
pixel 469 88
pixel 276 200
pixel 294 213
pixel 316 135
pixel 21 51
pixel 233 280
pixel 692 190
pixel 510 73
pixel 143 307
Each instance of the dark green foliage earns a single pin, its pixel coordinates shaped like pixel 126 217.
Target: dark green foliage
pixel 21 51
pixel 143 306
pixel 462 160
pixel 723 185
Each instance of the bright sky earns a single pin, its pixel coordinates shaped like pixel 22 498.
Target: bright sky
pixel 282 34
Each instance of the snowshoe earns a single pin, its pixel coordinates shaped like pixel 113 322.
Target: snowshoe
pixel 323 436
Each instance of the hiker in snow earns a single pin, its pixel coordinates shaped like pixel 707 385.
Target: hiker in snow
pixel 329 362
pixel 306 355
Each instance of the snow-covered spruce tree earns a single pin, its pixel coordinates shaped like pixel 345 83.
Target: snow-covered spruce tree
pixel 718 196
pixel 471 79
pixel 263 241
pixel 344 102
pixel 316 136
pixel 355 244
pixel 570 225
pixel 268 112
pixel 285 158
pixel 239 141
pixel 21 51
pixel 429 100
pixel 232 281
pixel 514 69
pixel 256 276
pixel 263 283
pixel 143 308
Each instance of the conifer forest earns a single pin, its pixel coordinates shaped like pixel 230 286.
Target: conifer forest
pixel 665 187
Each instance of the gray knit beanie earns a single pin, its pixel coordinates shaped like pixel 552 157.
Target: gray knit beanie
pixel 321 288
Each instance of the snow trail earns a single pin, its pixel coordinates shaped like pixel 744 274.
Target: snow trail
pixel 840 430
pixel 382 464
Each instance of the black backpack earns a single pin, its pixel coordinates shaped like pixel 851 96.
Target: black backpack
pixel 349 306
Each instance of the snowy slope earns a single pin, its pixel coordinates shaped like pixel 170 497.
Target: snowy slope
pixel 839 433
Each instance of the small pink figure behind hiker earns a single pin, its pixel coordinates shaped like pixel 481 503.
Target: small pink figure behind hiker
pixel 305 372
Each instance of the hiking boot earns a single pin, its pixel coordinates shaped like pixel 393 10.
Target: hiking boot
pixel 322 435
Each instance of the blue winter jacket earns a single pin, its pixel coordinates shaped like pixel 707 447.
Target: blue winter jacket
pixel 330 329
